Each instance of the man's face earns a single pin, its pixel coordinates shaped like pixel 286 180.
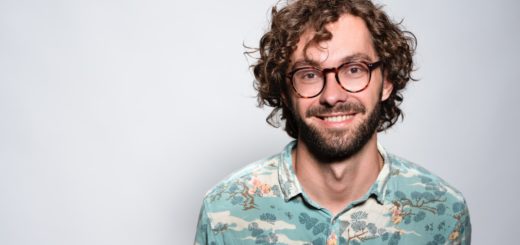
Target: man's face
pixel 336 124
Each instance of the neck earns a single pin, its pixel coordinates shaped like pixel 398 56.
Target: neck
pixel 335 185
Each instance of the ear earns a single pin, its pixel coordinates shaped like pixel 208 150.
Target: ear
pixel 387 90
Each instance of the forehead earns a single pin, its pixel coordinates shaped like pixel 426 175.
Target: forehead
pixel 350 37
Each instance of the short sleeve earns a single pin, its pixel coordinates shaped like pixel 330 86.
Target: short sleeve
pixel 465 228
pixel 203 235
pixel 461 232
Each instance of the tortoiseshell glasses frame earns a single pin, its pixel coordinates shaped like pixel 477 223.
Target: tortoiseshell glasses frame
pixel 353 77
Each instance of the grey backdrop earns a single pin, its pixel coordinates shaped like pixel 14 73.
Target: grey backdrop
pixel 117 116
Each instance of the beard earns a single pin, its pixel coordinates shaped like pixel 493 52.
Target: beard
pixel 332 145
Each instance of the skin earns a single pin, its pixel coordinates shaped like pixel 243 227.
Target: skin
pixel 333 185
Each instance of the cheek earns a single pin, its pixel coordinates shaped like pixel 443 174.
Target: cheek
pixel 300 106
pixel 369 99
pixel 377 93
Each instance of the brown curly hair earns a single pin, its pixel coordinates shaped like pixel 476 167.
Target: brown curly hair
pixel 394 46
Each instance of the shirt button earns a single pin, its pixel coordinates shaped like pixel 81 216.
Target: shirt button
pixel 332 240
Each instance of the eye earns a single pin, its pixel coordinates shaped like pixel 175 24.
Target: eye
pixel 353 70
pixel 307 75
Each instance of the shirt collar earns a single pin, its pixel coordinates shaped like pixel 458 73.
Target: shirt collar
pixel 291 187
pixel 378 189
pixel 286 175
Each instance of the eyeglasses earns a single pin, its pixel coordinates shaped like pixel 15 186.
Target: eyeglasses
pixel 354 77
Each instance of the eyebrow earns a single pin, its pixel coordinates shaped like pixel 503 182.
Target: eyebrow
pixel 347 59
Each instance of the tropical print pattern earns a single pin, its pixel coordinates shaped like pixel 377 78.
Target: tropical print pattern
pixel 265 204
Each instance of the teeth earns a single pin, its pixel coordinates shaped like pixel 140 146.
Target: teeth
pixel 337 118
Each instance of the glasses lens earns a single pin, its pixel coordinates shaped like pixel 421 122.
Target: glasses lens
pixel 354 76
pixel 308 82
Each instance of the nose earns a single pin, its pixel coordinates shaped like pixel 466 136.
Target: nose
pixel 332 92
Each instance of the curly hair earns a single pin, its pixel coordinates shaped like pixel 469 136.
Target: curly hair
pixel 394 46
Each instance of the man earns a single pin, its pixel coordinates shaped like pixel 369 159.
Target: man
pixel 335 70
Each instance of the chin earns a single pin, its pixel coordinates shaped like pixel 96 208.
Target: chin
pixel 336 144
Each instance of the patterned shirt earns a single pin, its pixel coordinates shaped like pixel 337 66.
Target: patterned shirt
pixel 265 204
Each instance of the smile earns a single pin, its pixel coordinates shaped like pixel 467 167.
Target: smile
pixel 337 118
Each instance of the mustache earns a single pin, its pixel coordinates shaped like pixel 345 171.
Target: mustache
pixel 340 108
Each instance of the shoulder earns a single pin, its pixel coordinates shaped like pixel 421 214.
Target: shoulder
pixel 422 199
pixel 413 177
pixel 257 178
pixel 239 199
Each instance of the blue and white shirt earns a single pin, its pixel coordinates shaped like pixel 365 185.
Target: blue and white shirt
pixel 265 204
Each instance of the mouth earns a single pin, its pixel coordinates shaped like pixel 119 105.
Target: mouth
pixel 337 118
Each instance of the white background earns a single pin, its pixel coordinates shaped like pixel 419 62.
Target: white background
pixel 117 116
